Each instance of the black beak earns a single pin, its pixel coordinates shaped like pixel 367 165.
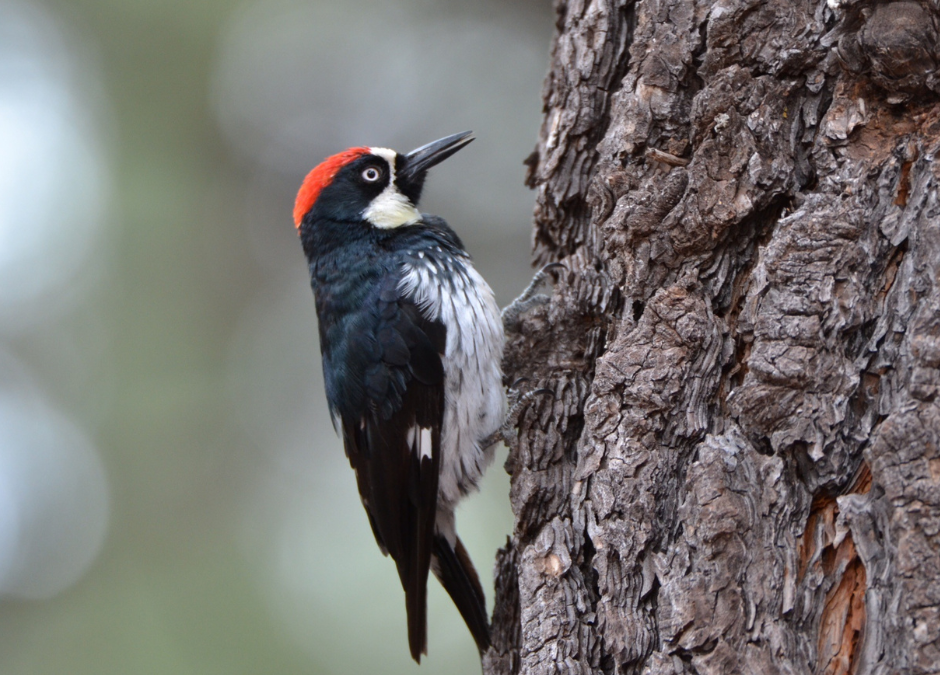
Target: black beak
pixel 420 160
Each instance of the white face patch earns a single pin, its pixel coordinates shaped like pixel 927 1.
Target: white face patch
pixel 391 208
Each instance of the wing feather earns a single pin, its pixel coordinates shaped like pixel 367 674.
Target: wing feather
pixel 394 443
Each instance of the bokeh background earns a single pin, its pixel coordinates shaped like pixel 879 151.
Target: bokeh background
pixel 172 496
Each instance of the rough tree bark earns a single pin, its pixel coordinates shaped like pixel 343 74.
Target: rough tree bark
pixel 739 470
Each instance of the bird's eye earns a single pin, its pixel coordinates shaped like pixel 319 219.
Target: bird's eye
pixel 371 174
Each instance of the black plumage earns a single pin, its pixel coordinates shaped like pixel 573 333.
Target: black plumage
pixel 384 371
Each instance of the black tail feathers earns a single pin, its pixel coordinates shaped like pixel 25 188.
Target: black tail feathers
pixel 416 607
pixel 453 568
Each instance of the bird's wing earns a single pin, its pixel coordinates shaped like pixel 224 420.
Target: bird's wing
pixel 394 445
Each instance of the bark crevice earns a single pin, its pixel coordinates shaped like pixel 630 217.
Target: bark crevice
pixel 739 469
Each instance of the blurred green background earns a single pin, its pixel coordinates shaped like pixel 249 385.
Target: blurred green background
pixel 173 498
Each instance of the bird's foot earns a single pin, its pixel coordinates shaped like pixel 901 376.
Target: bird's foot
pixel 507 432
pixel 529 297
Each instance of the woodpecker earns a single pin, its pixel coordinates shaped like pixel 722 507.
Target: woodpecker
pixel 411 340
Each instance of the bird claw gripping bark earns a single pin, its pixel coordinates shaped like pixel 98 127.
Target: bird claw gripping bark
pixel 529 297
pixel 507 432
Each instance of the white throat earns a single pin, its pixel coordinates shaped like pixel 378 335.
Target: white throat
pixel 391 208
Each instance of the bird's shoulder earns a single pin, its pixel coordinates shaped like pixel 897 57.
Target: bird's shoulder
pixel 376 343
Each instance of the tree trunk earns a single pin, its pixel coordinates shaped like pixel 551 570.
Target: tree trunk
pixel 739 470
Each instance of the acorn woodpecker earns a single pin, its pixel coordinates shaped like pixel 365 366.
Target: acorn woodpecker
pixel 411 339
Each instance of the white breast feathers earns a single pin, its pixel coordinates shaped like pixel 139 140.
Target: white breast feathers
pixel 455 294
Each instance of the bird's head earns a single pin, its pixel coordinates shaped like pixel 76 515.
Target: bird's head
pixel 376 186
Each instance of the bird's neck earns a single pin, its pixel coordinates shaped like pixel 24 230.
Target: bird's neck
pixel 327 237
